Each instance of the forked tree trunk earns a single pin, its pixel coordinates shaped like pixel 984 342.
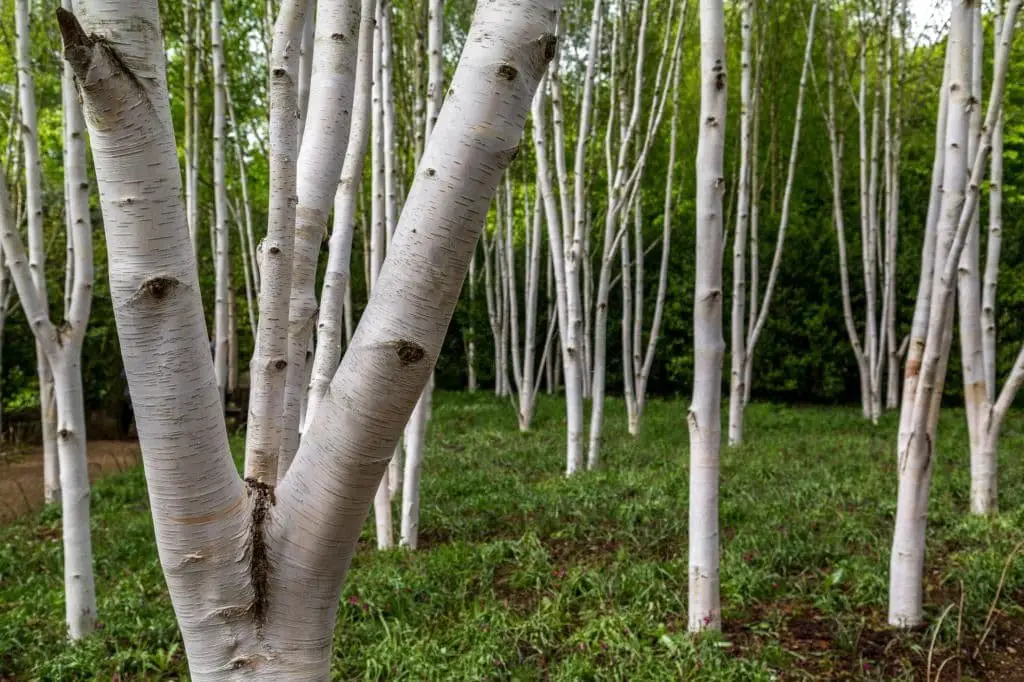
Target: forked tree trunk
pixel 773 272
pixel 642 368
pixel 269 562
pixel 566 275
pixel 704 416
pixel 62 348
pixel 737 352
pixel 36 245
pixel 959 203
pixel 836 151
pixel 922 306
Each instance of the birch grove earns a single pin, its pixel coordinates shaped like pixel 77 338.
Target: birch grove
pixel 61 345
pixel 415 200
pixel 295 537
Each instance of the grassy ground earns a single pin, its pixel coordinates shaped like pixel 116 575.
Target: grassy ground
pixel 528 576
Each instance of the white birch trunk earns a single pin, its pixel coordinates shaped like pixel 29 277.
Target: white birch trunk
pixel 773 272
pixel 836 150
pixel 190 68
pixel 268 369
pixel 922 306
pixel 338 271
pixel 994 243
pixel 969 304
pixel 62 349
pixel 738 353
pixel 306 67
pixel 269 565
pixel 407 474
pixel 642 371
pixel 959 203
pixel 36 246
pixel 246 236
pixel 471 336
pixel 328 120
pixel 221 254
pixel 704 416
pixel 565 260
pixel 192 155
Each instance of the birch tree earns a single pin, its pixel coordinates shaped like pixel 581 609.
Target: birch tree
pixel 638 357
pixel 959 202
pixel 29 132
pixel 61 347
pixel 623 180
pixel 737 389
pixel 190 70
pixel 415 432
pixel 704 416
pixel 269 558
pixel 745 348
pixel 320 161
pixel 220 196
pixel 986 403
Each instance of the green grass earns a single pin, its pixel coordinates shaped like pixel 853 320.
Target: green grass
pixel 525 575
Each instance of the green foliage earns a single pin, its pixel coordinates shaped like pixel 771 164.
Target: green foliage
pixel 803 354
pixel 525 575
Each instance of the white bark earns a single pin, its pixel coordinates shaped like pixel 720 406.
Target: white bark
pixel 836 150
pixel 738 353
pixel 320 162
pixel 704 416
pixel 565 269
pixel 773 272
pixel 255 574
pixel 614 224
pixel 306 67
pixel 221 253
pixel 922 307
pixel 338 271
pixel 958 206
pixel 62 348
pixel 642 371
pixel 246 236
pixel 191 117
pixel 268 369
pixel 994 243
pixel 471 335
pixel 969 304
pixel 435 64
pixel 407 473
pixel 36 246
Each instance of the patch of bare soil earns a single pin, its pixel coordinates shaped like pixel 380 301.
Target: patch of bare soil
pixel 21 473
pixel 816 647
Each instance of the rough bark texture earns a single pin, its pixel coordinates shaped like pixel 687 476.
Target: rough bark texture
pixel 255 573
